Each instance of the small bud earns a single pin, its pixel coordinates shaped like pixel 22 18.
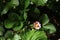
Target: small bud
pixel 14 7
pixel 57 0
pixel 31 3
pixel 37 25
pixel 4 1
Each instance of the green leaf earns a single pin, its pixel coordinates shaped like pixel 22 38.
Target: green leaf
pixel 8 24
pixel 14 17
pixel 16 37
pixel 14 2
pixel 9 34
pixel 25 15
pixel 6 9
pixel 8 39
pixel 35 35
pixel 27 3
pixel 1 31
pixel 1 28
pixel 18 27
pixel 36 10
pixel 50 27
pixel 44 19
pixel 38 36
pixel 2 38
pixel 39 2
pixel 29 34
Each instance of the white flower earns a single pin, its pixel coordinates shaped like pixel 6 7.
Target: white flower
pixel 37 25
pixel 58 39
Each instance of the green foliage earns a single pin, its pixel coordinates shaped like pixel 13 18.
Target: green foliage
pixel 14 17
pixel 36 10
pixel 17 20
pixel 50 27
pixel 1 31
pixel 18 27
pixel 27 3
pixel 9 34
pixel 44 19
pixel 46 25
pixel 25 15
pixel 39 2
pixel 34 35
pixel 1 28
pixel 5 10
pixel 2 38
pixel 12 3
pixel 16 37
pixel 8 24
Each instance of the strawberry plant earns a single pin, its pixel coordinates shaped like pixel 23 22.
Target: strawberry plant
pixel 23 20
